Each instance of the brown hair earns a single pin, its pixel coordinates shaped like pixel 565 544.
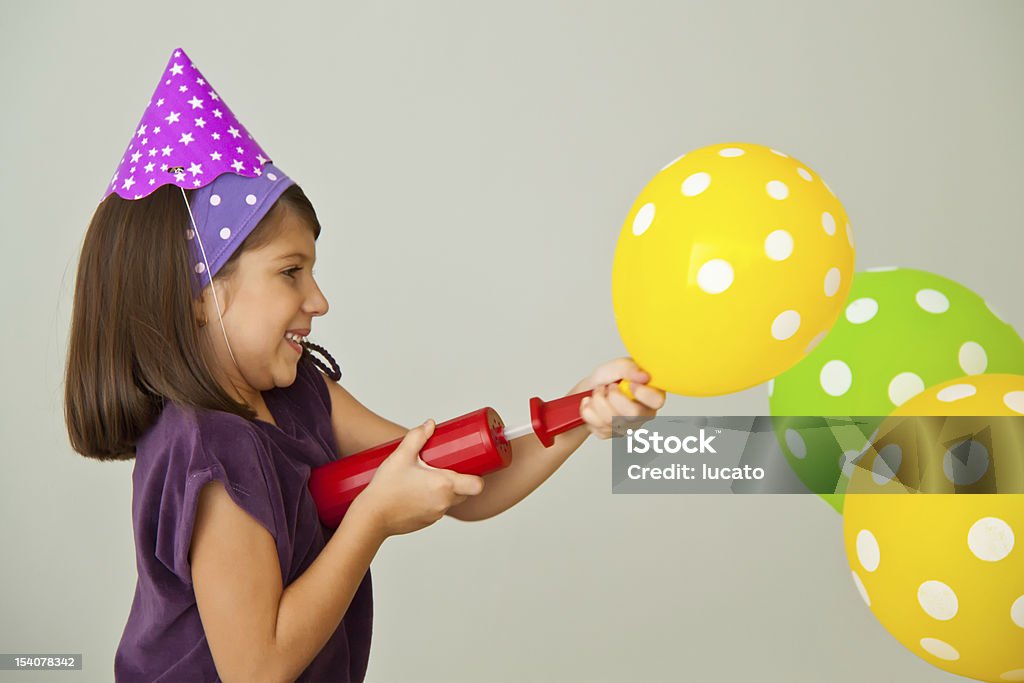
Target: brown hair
pixel 135 342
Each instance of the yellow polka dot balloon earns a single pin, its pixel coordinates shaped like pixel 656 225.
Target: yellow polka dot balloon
pixel 942 572
pixel 733 262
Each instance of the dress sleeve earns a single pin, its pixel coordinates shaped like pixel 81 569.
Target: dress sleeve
pixel 225 450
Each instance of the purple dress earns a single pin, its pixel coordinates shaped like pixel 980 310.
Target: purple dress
pixel 265 469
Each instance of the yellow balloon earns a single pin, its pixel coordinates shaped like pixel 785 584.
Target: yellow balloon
pixel 996 394
pixel 733 263
pixel 944 574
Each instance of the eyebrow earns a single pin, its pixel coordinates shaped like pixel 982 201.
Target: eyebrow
pixel 301 255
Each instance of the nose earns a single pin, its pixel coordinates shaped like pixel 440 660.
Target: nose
pixel 317 303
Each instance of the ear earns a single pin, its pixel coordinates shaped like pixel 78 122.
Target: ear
pixel 220 297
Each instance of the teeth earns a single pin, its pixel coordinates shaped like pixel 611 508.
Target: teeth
pixel 295 338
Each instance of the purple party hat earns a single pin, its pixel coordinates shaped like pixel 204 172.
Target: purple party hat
pixel 187 137
pixel 190 138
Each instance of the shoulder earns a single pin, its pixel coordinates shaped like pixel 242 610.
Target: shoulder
pixel 191 436
pixel 186 449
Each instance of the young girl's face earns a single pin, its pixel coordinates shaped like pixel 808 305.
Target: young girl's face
pixel 271 292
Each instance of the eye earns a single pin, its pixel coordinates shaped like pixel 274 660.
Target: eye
pixel 288 273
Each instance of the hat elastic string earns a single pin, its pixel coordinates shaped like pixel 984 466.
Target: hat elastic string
pixel 216 302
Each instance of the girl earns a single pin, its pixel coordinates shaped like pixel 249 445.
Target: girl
pixel 188 353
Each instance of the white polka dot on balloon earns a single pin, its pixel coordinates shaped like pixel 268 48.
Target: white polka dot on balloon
pixel 828 222
pixel 215 199
pixel 715 276
pixel 973 358
pixel 778 245
pixel 805 174
pixel 775 151
pixel 932 301
pixel 956 392
pixel 731 152
pixel 836 378
pixel 940 648
pixel 271 176
pixel 796 444
pixel 904 387
pixel 849 235
pixel 868 552
pixel 1017 611
pixel 695 184
pixel 785 325
pixel 990 539
pixel 777 189
pixel 832 281
pixel 225 233
pixel 643 219
pixel 1015 675
pixel 1015 401
pixel 861 310
pixel 250 199
pixel 938 600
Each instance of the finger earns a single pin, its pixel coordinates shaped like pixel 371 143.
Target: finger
pixel 414 439
pixel 620 405
pixel 647 396
pixel 427 465
pixel 599 405
pixel 637 376
pixel 630 370
pixel 651 396
pixel 585 412
pixel 467 484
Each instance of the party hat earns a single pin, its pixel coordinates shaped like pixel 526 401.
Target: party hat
pixel 187 136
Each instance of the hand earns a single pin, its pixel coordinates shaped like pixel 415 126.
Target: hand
pixel 406 494
pixel 607 399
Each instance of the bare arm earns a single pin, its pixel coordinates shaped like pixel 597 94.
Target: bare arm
pixel 256 630
pixel 356 428
pixel 314 604
pixel 531 466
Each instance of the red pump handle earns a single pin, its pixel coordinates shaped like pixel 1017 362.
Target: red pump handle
pixel 550 418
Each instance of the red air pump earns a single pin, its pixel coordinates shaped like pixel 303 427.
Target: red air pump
pixel 475 443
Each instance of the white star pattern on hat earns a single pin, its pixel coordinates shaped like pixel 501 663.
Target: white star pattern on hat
pixel 183 88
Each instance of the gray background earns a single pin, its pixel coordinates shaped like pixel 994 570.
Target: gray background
pixel 472 164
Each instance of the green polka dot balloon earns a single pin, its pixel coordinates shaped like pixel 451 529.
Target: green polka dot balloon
pixel 902 330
